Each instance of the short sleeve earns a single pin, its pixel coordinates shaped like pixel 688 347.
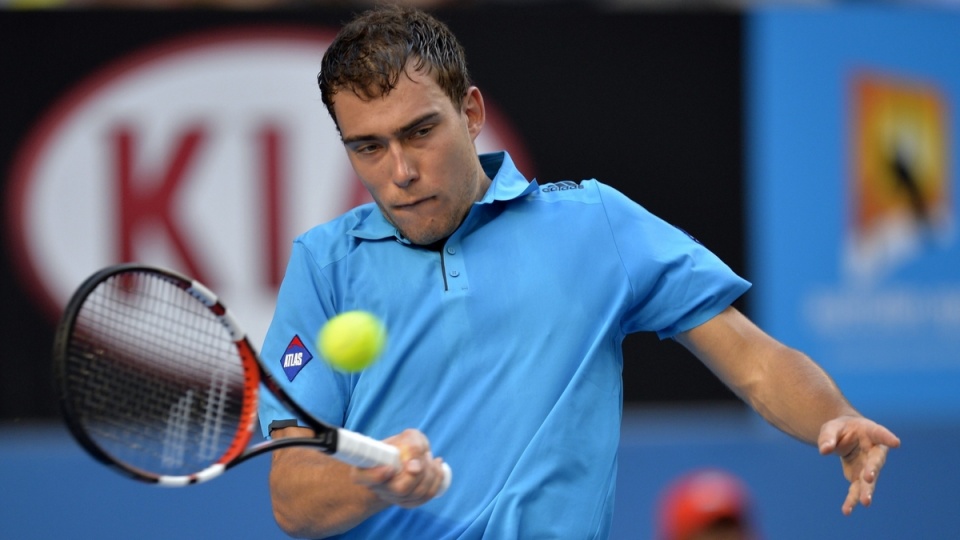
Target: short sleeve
pixel 677 282
pixel 304 304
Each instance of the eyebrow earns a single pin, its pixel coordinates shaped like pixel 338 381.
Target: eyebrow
pixel 426 118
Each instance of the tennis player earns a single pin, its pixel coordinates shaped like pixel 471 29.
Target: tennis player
pixel 507 303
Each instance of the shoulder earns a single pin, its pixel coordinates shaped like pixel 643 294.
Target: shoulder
pixel 339 225
pixel 332 240
pixel 590 191
pixel 569 190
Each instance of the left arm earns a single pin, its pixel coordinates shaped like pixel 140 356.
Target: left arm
pixel 794 394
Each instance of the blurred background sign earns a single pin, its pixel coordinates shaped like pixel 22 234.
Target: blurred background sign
pixel 207 154
pixel 854 245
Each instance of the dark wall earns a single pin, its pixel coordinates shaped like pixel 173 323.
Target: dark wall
pixel 649 102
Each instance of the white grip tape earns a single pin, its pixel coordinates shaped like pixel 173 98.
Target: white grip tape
pixel 362 451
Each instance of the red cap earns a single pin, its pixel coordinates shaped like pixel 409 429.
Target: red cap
pixel 698 499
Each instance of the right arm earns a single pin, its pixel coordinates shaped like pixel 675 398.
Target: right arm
pixel 315 495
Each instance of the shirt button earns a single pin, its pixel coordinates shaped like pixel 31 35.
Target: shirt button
pixel 454 273
pixel 451 250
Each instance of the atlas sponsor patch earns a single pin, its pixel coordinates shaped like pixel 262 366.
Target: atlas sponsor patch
pixel 295 357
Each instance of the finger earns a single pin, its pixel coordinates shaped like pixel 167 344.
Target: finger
pixel 866 489
pixel 373 476
pixel 827 447
pixel 407 486
pixel 408 478
pixel 866 493
pixel 437 478
pixel 849 447
pixel 876 458
pixel 415 490
pixel 413 467
pixel 415 473
pixel 827 441
pixel 412 444
pixel 853 496
pixel 882 435
pixel 862 488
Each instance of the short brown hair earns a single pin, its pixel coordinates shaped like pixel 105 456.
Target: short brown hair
pixel 372 51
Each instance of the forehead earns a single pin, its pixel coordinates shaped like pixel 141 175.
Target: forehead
pixel 417 93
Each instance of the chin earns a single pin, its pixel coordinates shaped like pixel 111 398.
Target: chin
pixel 425 238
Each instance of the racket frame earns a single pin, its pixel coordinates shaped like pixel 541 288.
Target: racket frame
pixel 350 447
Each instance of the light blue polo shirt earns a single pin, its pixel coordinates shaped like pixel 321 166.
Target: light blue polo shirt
pixel 504 347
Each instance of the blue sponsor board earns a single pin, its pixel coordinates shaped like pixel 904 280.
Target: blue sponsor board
pixel 854 245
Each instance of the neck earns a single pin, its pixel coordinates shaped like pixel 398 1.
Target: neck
pixel 482 186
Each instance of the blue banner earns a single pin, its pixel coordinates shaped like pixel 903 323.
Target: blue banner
pixel 854 246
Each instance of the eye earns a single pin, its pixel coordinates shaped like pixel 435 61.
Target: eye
pixel 366 149
pixel 421 132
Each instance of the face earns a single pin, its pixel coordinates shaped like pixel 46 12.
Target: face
pixel 414 151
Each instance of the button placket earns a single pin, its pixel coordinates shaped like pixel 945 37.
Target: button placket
pixel 453 261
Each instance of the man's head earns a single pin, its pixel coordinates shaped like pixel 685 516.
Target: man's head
pixel 396 84
pixel 371 53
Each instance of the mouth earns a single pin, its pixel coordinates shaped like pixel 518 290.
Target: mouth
pixel 412 204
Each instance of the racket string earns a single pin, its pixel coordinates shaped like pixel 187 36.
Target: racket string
pixel 157 377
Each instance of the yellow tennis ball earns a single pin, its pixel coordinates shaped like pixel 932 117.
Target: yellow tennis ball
pixel 352 340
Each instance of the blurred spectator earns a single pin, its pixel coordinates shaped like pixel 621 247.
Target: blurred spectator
pixel 707 504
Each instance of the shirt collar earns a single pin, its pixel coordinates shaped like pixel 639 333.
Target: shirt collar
pixel 507 183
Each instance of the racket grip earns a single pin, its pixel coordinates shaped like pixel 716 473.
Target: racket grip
pixel 362 451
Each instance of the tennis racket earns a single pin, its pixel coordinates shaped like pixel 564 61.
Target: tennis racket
pixel 156 379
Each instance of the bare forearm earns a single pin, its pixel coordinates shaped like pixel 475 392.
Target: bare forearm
pixel 796 395
pixel 785 386
pixel 313 495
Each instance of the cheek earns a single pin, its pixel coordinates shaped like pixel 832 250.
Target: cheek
pixel 460 156
pixel 369 175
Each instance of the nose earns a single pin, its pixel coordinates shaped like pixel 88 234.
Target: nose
pixel 404 171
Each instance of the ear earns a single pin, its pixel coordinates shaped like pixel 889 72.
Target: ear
pixel 474 111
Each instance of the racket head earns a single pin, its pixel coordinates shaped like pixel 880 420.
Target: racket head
pixel 154 377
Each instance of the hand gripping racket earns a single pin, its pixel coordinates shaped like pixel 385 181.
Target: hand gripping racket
pixel 157 380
